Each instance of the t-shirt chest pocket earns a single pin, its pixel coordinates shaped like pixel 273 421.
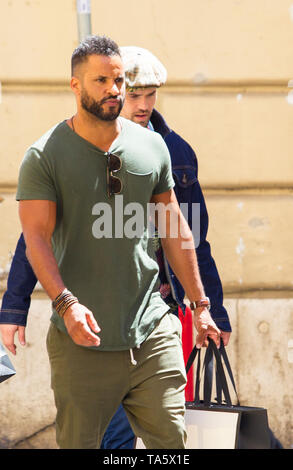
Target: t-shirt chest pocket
pixel 139 185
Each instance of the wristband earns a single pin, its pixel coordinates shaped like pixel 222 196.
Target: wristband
pixel 63 301
pixel 201 303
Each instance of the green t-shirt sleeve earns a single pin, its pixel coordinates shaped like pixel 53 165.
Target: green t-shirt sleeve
pixel 35 178
pixel 165 178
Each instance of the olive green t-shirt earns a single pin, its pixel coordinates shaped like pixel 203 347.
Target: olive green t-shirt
pixel 100 243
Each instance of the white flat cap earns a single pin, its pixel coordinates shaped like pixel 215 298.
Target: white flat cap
pixel 142 68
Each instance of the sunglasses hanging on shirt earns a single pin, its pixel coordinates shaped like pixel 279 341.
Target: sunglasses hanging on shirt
pixel 113 182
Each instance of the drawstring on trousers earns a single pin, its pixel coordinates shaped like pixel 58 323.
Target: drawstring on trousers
pixel 132 360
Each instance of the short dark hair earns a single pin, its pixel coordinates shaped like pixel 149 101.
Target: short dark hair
pixel 99 45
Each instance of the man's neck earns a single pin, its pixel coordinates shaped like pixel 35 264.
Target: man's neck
pixel 97 132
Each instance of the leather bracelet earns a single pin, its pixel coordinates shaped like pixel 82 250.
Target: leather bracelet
pixel 66 305
pixel 63 301
pixel 59 297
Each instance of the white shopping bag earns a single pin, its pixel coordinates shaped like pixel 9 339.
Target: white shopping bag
pixel 208 430
pixel 6 367
pixel 211 429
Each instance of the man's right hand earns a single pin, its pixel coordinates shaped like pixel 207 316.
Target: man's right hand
pixel 8 332
pixel 81 325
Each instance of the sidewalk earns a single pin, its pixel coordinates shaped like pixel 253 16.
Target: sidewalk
pixel 44 439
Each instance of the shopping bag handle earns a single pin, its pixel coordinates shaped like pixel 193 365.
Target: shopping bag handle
pixel 220 377
pixel 224 355
pixel 191 358
pixel 195 352
pixel 221 381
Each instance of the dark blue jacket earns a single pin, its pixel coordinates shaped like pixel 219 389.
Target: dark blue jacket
pixel 188 190
pixel 22 280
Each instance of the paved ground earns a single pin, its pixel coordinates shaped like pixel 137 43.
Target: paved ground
pixel 44 439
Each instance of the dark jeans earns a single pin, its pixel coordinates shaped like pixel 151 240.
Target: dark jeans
pixel 119 434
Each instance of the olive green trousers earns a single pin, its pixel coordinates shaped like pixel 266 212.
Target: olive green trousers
pixel 89 385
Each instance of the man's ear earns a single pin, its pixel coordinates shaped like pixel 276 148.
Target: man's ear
pixel 75 85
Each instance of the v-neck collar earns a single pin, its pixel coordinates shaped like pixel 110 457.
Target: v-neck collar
pixel 89 144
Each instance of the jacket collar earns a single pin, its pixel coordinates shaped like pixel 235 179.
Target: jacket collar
pixel 160 124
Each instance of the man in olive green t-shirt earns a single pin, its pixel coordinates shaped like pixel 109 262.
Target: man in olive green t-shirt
pixel 114 276
pixel 84 191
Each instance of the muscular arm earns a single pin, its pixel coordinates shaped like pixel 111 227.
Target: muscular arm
pixel 178 246
pixel 38 218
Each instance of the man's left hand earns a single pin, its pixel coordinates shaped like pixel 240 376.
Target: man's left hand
pixel 206 328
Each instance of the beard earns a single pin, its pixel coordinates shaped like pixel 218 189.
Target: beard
pixel 96 107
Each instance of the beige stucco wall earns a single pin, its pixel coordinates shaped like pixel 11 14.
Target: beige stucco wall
pixel 229 65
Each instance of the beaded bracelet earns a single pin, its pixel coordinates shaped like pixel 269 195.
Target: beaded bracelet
pixel 63 301
pixel 60 297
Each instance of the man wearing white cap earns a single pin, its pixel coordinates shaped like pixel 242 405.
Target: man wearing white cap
pixel 144 73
